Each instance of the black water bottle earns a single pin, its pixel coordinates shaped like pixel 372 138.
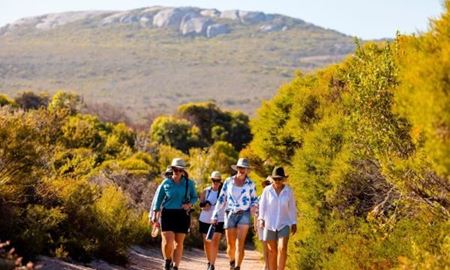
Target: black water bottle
pixel 210 234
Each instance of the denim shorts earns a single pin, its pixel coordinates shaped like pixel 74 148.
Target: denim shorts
pixel 232 220
pixel 275 235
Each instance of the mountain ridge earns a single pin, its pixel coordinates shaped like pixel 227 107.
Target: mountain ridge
pixel 184 18
pixel 150 60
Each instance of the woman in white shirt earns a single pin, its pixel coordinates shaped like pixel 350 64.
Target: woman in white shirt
pixel 260 231
pixel 278 217
pixel 208 199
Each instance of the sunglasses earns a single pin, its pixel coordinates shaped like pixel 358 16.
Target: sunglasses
pixel 277 179
pixel 177 170
pixel 216 180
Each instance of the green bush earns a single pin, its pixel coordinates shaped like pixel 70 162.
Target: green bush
pixel 365 144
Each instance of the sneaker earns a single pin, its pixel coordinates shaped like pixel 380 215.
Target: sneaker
pixel 232 265
pixel 211 267
pixel 209 264
pixel 168 265
pixel 237 268
pixel 175 268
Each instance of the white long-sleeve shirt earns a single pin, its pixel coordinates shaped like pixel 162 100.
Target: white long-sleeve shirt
pixel 277 210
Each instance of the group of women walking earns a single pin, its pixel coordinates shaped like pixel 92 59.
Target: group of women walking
pixel 226 207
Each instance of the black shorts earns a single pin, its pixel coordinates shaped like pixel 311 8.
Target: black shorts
pixel 175 220
pixel 204 227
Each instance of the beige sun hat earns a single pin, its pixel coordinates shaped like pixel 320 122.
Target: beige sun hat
pixel 242 162
pixel 178 163
pixel 216 175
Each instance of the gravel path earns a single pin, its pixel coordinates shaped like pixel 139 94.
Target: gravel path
pixel 151 259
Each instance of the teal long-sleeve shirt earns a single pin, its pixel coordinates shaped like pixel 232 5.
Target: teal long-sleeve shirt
pixel 170 195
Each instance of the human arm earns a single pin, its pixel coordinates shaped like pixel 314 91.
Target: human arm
pixel 202 199
pixel 159 195
pixel 152 214
pixel 191 196
pixel 221 202
pixel 192 192
pixel 262 209
pixel 292 212
pixel 253 198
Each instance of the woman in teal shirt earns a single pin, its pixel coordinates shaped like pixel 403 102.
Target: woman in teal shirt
pixel 174 200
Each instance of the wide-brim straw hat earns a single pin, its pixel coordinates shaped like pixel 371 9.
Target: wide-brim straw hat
pixel 178 163
pixel 242 162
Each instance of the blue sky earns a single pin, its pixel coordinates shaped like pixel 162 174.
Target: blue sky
pixel 367 19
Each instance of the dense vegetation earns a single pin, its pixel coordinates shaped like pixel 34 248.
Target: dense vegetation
pixel 74 186
pixel 367 146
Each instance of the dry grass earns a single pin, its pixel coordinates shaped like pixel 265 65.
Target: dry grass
pixel 148 71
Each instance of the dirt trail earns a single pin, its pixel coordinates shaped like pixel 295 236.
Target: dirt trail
pixel 151 259
pixel 193 259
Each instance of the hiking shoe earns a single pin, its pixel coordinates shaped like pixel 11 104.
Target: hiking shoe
pixel 175 268
pixel 237 268
pixel 232 265
pixel 168 265
pixel 211 267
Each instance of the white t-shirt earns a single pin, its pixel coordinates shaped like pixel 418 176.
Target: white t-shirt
pixel 206 215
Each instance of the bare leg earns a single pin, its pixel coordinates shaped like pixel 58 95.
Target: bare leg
pixel 241 235
pixel 207 248
pixel 167 244
pixel 266 255
pixel 282 252
pixel 163 246
pixel 272 251
pixel 178 252
pixel 230 234
pixel 214 248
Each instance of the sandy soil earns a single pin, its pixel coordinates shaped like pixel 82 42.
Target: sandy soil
pixel 151 259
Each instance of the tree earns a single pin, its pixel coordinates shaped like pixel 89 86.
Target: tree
pixel 65 101
pixel 29 100
pixel 4 100
pixel 218 157
pixel 217 125
pixel 178 133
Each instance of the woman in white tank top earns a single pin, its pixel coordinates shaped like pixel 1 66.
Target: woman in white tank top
pixel 208 199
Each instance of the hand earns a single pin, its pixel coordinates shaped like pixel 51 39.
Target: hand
pixel 261 223
pixel 294 228
pixel 214 221
pixel 155 219
pixel 187 206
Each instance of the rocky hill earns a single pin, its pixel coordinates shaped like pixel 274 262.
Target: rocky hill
pixel 149 60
